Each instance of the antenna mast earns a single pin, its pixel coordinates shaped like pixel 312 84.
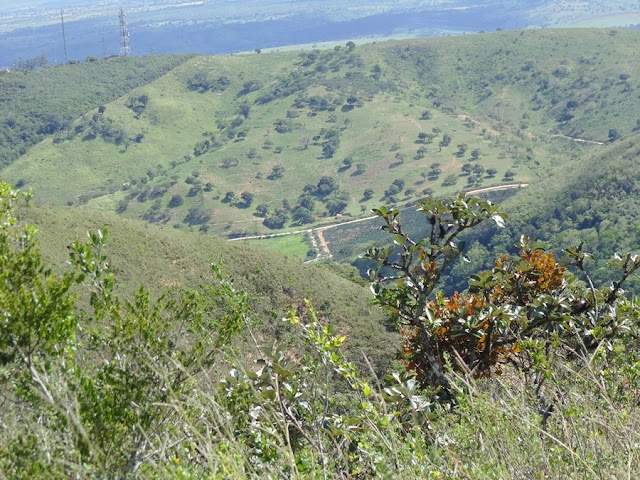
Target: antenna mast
pixel 125 48
pixel 64 37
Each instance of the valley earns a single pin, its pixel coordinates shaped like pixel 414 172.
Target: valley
pixel 251 145
pixel 406 258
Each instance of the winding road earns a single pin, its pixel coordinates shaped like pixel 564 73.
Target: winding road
pixel 577 139
pixel 319 243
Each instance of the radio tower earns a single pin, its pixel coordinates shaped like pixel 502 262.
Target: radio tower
pixel 125 48
pixel 64 37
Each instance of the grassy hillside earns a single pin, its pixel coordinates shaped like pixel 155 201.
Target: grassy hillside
pixel 160 258
pixel 307 135
pixel 573 82
pixel 221 124
pixel 262 143
pixel 43 102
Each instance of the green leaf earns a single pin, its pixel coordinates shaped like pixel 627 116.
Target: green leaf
pixel 499 220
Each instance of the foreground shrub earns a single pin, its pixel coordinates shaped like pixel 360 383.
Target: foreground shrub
pixel 521 312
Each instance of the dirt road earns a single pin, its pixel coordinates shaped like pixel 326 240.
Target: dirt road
pixel 319 243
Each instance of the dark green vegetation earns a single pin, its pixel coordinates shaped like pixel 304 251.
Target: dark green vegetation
pixel 47 101
pixel 594 200
pixel 146 387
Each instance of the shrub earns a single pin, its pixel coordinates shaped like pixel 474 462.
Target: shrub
pixel 196 217
pixel 517 313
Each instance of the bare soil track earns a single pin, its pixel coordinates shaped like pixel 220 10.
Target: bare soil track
pixel 319 243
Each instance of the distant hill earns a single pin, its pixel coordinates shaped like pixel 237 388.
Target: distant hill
pixel 304 136
pixel 262 143
pixel 34 104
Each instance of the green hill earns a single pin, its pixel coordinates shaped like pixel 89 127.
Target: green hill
pixel 306 135
pixel 594 200
pixel 161 258
pixel 35 104
pixel 251 144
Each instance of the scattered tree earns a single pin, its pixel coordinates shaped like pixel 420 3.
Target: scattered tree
pixel 391 192
pixel 262 210
pixel 307 202
pixel 336 206
pixel 30 64
pixel 247 199
pixel 138 103
pixel 276 172
pixel 450 180
pixel 285 125
pixel 329 149
pixel 360 168
pixel 276 221
pixel 399 183
pixel 614 135
pixel 229 162
pixel 197 217
pixel 302 215
pixel 229 197
pixel 326 185
pixel 446 140
pixel 478 169
pixel 194 190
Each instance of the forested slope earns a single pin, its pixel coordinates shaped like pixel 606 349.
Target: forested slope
pixel 38 103
pixel 596 200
